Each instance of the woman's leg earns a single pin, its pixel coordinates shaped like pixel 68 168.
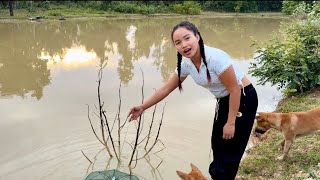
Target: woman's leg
pixel 228 153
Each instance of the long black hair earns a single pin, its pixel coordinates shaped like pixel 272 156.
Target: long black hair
pixel 194 29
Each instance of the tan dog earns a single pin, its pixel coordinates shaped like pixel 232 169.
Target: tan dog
pixel 195 174
pixel 291 125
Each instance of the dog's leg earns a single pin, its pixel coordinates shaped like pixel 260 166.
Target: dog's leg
pixel 282 145
pixel 289 137
pixel 286 148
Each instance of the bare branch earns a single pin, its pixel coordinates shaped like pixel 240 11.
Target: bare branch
pixel 86 157
pixel 139 123
pixel 94 132
pixel 112 142
pixel 159 164
pixel 149 133
pixel 123 123
pixel 100 105
pixel 156 140
pixel 136 142
pixel 119 108
pixel 155 153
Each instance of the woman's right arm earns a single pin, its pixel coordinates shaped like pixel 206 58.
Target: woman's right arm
pixel 159 95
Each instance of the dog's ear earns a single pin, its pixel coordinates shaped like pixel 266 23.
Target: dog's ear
pixel 258 116
pixel 193 167
pixel 182 175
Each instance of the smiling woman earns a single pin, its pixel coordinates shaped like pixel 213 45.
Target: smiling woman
pixel 214 70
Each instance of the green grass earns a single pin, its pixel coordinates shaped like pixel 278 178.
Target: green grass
pixel 300 102
pixel 303 160
pixel 52 13
pixel 59 10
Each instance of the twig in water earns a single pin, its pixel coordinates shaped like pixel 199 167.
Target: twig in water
pixel 139 123
pixel 86 157
pixel 149 133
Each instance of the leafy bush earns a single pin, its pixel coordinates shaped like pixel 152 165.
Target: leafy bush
pixel 43 4
pixel 245 6
pixel 214 6
pixel 294 63
pixel 242 6
pixel 187 7
pixel 128 7
pixel 289 6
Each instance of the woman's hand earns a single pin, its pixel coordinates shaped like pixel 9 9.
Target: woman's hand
pixel 135 112
pixel 228 130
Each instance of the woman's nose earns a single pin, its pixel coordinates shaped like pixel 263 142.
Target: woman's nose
pixel 184 44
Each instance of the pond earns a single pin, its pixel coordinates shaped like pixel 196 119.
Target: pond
pixel 48 78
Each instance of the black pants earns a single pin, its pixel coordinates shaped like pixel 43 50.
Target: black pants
pixel 227 154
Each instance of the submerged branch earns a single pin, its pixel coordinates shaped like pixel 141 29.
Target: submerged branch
pixel 139 124
pixel 156 140
pixel 119 108
pixel 149 133
pixel 100 105
pixel 94 132
pixel 101 112
pixel 112 142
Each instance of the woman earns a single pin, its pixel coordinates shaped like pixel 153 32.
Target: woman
pixel 236 97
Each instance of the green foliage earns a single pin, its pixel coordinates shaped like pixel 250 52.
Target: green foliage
pixel 294 63
pixel 132 7
pixel 242 6
pixel 187 7
pixel 269 5
pixel 149 7
pixel 289 6
pixel 43 4
pixel 245 6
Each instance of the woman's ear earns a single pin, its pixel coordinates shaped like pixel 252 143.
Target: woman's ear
pixel 198 37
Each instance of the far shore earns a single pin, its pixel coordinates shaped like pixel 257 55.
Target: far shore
pixel 22 16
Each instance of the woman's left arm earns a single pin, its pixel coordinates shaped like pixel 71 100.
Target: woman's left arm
pixel 229 80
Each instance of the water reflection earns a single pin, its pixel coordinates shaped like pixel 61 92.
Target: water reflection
pixel 21 72
pixel 122 42
pixel 74 57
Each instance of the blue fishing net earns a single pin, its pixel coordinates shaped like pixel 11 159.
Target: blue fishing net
pixel 110 175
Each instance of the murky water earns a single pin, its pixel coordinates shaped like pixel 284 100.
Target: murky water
pixel 49 73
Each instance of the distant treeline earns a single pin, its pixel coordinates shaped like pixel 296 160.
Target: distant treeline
pixel 151 7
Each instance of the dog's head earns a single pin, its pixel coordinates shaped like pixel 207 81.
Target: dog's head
pixel 263 124
pixel 195 174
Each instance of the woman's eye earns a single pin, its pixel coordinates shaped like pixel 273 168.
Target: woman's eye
pixel 177 43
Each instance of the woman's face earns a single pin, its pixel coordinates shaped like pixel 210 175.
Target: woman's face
pixel 186 43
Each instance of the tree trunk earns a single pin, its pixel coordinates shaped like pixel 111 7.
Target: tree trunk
pixel 11 7
pixel 31 3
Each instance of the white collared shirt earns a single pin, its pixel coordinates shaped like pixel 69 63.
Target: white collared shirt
pixel 217 61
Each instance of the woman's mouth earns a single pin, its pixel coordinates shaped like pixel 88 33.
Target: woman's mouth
pixel 187 51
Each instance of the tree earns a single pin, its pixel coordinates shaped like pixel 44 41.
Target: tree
pixel 11 7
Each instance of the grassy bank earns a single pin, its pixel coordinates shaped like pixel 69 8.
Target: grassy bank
pixel 303 161
pixel 78 13
pixel 51 14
